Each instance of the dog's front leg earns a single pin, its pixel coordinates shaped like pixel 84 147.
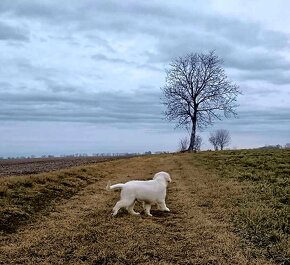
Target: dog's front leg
pixel 162 206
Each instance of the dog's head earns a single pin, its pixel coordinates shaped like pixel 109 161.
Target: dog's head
pixel 163 176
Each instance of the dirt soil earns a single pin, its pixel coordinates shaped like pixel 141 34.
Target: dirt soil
pixel 9 167
pixel 80 230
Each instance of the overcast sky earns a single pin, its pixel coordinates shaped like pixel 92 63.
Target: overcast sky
pixel 84 75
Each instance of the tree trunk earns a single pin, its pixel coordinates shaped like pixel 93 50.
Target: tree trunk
pixel 193 135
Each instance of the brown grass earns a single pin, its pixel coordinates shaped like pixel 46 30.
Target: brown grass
pixel 79 229
pixel 23 198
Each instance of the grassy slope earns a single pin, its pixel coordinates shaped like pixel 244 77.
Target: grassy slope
pixel 70 210
pixel 263 214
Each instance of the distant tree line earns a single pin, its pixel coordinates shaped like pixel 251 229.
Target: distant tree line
pixel 219 140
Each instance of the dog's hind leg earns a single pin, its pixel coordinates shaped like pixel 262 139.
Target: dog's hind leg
pixel 131 209
pixel 147 208
pixel 120 204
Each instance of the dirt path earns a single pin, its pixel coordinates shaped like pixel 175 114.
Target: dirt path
pixel 81 231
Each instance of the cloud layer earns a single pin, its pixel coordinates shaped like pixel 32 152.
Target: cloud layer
pixel 103 62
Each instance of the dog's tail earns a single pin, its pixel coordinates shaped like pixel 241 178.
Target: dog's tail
pixel 114 187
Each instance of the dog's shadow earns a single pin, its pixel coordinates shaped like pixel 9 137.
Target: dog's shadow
pixel 155 214
pixel 158 214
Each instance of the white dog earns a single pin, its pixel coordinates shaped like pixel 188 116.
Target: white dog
pixel 149 192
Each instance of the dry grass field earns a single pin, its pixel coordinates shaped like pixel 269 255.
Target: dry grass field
pixel 24 166
pixel 63 217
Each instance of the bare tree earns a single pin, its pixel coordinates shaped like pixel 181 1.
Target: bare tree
pixel 220 138
pixel 223 138
pixel 198 143
pixel 183 144
pixel 213 140
pixel 197 91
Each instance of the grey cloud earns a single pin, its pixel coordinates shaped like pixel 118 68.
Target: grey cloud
pixel 100 41
pixel 254 64
pixel 175 34
pixel 56 79
pixel 248 34
pixel 5 85
pixel 148 66
pixel 8 32
pixel 258 61
pixel 264 91
pixel 33 9
pixel 102 57
pixel 25 65
pixel 175 31
pixel 162 20
pixel 276 115
pixel 275 120
pixel 158 19
pixel 74 10
pixel 141 107
pixel 55 87
pixel 269 67
pixel 236 56
pixel 179 43
pixel 273 76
